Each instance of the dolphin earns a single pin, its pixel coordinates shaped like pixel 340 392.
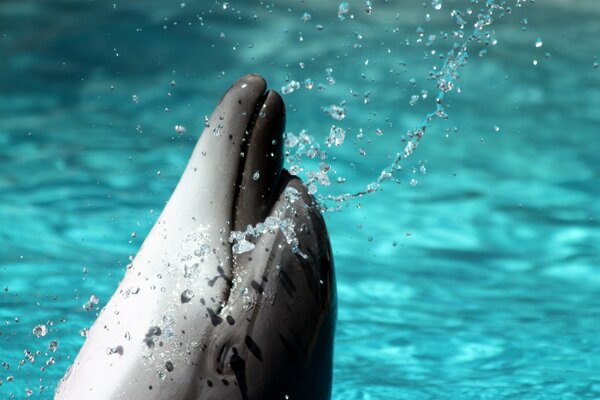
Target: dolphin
pixel 195 318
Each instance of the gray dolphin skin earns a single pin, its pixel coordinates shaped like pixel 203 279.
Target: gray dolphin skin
pixel 195 320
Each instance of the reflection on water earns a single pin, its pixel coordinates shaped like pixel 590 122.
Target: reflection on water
pixel 475 277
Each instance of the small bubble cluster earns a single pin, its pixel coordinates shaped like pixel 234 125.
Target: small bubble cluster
pixel 40 331
pixel 91 303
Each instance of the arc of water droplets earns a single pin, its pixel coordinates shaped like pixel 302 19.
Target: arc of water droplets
pixel 446 78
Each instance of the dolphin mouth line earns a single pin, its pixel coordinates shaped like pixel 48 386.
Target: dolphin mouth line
pixel 244 152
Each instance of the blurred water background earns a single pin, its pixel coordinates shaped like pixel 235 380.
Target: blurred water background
pixel 477 276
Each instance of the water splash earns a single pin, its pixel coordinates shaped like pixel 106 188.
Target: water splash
pixel 445 76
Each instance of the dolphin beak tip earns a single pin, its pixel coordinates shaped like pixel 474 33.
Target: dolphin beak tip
pixel 254 81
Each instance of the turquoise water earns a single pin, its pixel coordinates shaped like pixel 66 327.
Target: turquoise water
pixel 480 279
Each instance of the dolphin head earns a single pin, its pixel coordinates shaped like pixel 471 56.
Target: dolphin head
pixel 197 317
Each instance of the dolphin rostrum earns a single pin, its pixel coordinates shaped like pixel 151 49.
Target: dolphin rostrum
pixel 196 318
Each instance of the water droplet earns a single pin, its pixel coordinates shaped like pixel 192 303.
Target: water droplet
pixel 306 17
pixel 538 42
pixel 91 303
pixel 180 129
pixel 343 10
pixel 290 87
pixel 336 136
pixel 53 345
pixel 242 246
pixel 336 112
pixel 256 176
pixel 40 331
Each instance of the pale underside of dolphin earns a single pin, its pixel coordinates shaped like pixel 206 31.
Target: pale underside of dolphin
pixel 193 320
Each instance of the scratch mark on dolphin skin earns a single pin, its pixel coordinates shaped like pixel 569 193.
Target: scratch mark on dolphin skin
pixel 253 347
pixel 287 283
pixel 257 286
pixel 238 365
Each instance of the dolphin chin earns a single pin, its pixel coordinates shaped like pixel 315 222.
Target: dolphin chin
pixel 194 320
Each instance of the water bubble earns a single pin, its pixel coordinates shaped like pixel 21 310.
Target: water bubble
pixel 329 78
pixel 256 175
pixel 203 251
pixel 306 17
pixel 135 98
pixel 53 345
pixel 436 4
pixel 290 87
pixel 180 129
pixel 538 42
pixel 336 136
pixel 343 10
pixel 368 7
pixel 91 303
pixel 40 331
pixel 336 112
pixel 187 295
pixel 242 246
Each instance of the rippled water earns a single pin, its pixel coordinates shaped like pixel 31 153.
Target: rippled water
pixel 480 280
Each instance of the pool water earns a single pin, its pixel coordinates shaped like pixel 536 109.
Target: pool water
pixel 477 276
